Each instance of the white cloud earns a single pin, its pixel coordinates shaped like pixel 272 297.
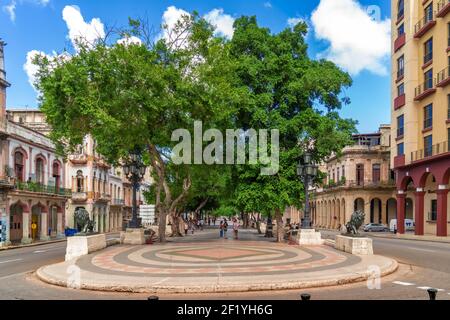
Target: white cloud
pixel 30 68
pixel 129 40
pixel 11 10
pixel 267 4
pixel 169 20
pixel 79 30
pixel 357 42
pixel 222 22
pixel 292 22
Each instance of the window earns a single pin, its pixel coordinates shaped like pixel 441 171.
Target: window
pixel 428 79
pixel 400 149
pixel 448 139
pixel 401 30
pixel 433 213
pixel 376 172
pixel 400 9
pixel 400 90
pixel 56 175
pixel 428 146
pixel 80 181
pixel 343 171
pixel 448 106
pixel 428 116
pixel 40 170
pixel 428 51
pixel 360 174
pixel 429 13
pixel 400 125
pixel 400 66
pixel 18 166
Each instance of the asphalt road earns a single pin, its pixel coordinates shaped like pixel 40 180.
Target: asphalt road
pixel 422 265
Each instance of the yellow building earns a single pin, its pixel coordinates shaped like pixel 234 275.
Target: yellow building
pixel 420 113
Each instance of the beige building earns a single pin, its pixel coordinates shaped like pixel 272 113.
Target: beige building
pixel 359 179
pixel 420 112
pixel 33 194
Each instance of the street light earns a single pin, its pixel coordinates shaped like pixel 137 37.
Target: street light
pixel 134 170
pixel 307 171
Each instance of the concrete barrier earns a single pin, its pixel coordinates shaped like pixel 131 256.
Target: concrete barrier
pixel 78 246
pixel 354 245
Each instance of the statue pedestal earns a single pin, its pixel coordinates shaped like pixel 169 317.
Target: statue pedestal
pixel 309 237
pixel 354 245
pixel 78 246
pixel 132 236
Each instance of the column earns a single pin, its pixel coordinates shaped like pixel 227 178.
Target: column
pixel 59 224
pixel 367 211
pixel 401 203
pixel 419 197
pixel 26 228
pixel 44 226
pixel 441 230
pixel 383 212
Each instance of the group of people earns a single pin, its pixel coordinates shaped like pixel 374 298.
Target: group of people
pixel 192 224
pixel 223 228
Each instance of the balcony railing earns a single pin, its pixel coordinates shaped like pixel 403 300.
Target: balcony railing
pixel 359 184
pixel 443 77
pixel 424 90
pixel 424 24
pixel 41 188
pixel 443 7
pixel 79 196
pixel 118 202
pixel 427 57
pixel 400 73
pixel 434 150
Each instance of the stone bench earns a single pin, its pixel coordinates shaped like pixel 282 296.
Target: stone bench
pixel 78 246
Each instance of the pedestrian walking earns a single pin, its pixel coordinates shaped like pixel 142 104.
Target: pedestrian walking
pixel 225 228
pixel 221 229
pixel 186 227
pixel 235 228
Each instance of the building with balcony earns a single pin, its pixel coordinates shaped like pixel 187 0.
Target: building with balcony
pixel 420 113
pixel 33 196
pixel 360 178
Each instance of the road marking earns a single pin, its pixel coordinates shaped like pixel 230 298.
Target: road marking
pixel 418 249
pixel 426 288
pixel 403 283
pixel 40 251
pixel 6 261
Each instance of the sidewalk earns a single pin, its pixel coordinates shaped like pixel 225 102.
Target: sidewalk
pixel 408 236
pixel 39 243
pixel 327 233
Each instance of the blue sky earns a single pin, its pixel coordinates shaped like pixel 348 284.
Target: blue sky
pixel 348 32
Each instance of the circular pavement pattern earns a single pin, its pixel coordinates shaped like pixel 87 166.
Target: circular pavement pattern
pixel 215 266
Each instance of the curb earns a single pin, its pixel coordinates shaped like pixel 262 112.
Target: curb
pixel 355 277
pixel 31 244
pixel 413 239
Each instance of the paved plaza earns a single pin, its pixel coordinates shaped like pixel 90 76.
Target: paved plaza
pixel 202 263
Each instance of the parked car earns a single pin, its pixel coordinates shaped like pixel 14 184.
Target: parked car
pixel 373 227
pixel 409 225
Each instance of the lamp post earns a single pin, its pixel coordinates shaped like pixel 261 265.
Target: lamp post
pixel 134 170
pixel 307 171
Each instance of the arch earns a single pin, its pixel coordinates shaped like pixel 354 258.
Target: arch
pixel 41 156
pixel 405 182
pixel 79 181
pixel 333 214
pixel 338 213
pixel 343 212
pixel 20 149
pixel 358 204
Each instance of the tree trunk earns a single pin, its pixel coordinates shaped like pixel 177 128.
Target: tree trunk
pixel 280 227
pixel 162 225
pixel 176 221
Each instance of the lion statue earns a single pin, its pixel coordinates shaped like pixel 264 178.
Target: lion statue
pixel 356 221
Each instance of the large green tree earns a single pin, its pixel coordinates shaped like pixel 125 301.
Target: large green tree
pixel 136 95
pixel 291 93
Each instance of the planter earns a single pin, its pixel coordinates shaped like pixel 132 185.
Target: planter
pixel 78 246
pixel 132 236
pixel 354 245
